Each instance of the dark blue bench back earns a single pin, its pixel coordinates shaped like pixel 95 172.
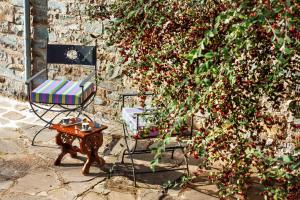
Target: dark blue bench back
pixel 71 54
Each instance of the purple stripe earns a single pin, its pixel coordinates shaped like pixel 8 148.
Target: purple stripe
pixel 63 89
pixel 33 96
pixel 56 98
pixel 70 99
pixel 66 87
pixel 87 91
pixel 44 97
pixel 75 89
pixel 51 87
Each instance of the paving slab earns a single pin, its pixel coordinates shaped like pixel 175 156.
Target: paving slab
pixel 13 166
pixel 146 194
pixel 5 103
pixel 107 146
pixel 25 125
pixel 13 115
pixel 9 133
pixel 71 173
pixel 167 197
pixel 190 194
pixel 10 146
pixel 113 195
pixel 2 110
pixel 44 136
pixel 4 185
pixel 101 189
pixel 207 188
pixel 80 188
pixel 61 193
pixel 118 148
pixel 174 193
pixel 21 107
pixel 21 196
pixel 3 121
pixel 36 182
pixel 94 196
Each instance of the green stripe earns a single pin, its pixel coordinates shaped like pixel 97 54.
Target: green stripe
pixel 77 95
pixel 66 92
pixel 37 96
pixel 55 90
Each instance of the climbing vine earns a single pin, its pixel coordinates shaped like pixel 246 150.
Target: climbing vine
pixel 233 62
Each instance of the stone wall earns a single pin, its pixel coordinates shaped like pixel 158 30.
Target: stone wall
pixel 11 49
pixel 67 23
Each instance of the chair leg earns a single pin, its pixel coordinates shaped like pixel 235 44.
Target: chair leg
pixel 123 155
pixel 172 156
pixel 185 159
pixel 37 133
pixel 46 126
pixel 130 154
pixel 125 150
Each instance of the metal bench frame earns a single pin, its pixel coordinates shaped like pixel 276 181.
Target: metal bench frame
pixel 130 152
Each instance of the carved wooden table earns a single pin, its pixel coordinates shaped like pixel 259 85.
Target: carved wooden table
pixel 89 143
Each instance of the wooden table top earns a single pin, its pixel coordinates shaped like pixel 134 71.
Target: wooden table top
pixel 75 129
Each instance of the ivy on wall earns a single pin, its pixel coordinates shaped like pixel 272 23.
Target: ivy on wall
pixel 234 61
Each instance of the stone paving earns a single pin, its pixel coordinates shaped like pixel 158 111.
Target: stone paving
pixel 27 172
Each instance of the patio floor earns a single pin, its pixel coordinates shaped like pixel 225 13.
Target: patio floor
pixel 27 172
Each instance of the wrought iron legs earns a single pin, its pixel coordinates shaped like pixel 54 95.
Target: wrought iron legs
pixel 64 109
pixel 131 152
pixel 47 125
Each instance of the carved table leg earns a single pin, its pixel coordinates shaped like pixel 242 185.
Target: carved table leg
pixel 87 165
pixel 58 160
pixel 65 141
pixel 90 146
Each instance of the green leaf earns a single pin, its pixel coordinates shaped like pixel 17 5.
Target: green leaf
pixel 192 55
pixel 197 80
pixel 207 82
pixel 287 51
pixel 232 79
pixel 209 55
pixel 210 33
pixel 214 70
pixel 296 165
pixel 287 159
pixel 131 14
pixel 202 45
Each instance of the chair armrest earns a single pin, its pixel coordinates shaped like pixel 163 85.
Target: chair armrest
pixel 146 113
pixel 87 79
pixel 27 82
pixel 136 94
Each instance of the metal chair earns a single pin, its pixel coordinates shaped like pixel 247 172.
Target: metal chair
pixel 134 122
pixel 64 96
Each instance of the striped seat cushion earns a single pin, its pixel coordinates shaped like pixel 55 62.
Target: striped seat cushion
pixel 61 92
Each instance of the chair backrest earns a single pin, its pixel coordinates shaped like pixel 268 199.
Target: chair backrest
pixel 71 54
